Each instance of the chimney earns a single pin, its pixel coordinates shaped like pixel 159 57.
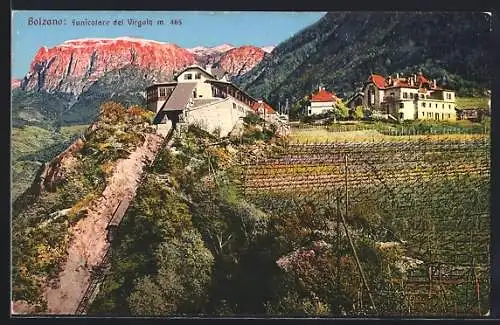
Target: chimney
pixel 397 75
pixel 390 81
pixel 434 82
pixel 209 68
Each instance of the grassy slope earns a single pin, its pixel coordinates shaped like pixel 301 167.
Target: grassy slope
pixel 472 102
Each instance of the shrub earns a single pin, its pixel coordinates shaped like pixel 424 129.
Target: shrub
pixel 358 113
pixel 252 119
pixel 112 112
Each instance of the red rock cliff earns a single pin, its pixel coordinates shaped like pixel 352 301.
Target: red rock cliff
pixel 74 65
pixel 242 59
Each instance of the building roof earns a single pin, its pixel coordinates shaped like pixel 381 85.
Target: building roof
pixel 378 80
pixel 323 96
pixel 263 105
pixel 383 82
pixel 353 96
pixel 170 83
pixel 193 66
pixel 179 97
pixel 218 73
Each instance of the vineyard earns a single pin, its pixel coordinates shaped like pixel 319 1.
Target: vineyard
pixel 433 197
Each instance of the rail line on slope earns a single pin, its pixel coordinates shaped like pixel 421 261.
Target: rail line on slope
pixel 99 272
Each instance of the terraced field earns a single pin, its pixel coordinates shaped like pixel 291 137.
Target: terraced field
pixel 433 192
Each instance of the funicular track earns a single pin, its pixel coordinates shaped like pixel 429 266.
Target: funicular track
pixel 99 272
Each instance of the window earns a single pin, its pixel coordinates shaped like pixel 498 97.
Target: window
pixel 449 115
pixel 197 75
pixel 429 115
pixel 436 105
pixel 163 92
pixel 401 105
pixel 421 95
pixel 405 95
pixel 449 106
pixel 448 96
pixel 188 76
pixel 309 111
pixel 392 94
pixel 423 114
pixel 423 104
pixel 234 105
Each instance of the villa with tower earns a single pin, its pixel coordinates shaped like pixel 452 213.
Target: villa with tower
pixel 406 98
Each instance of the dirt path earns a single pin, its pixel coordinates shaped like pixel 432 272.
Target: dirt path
pixel 89 242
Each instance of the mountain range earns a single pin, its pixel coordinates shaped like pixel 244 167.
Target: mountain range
pixel 342 49
pixel 74 65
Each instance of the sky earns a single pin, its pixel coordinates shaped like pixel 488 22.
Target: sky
pixel 201 28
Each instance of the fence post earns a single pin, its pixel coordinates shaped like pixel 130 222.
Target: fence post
pixel 360 268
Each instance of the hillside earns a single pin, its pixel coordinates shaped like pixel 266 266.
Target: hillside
pixel 59 221
pixel 343 48
pixel 46 123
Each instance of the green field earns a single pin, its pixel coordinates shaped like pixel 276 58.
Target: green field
pixel 318 134
pixel 472 102
pixel 429 199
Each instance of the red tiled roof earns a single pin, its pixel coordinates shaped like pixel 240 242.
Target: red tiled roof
pixel 381 82
pixel 378 80
pixel 266 106
pixel 422 79
pixel 323 96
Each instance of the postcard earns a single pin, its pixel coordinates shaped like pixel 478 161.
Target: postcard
pixel 251 164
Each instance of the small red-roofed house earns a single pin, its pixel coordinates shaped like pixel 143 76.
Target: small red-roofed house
pixel 322 101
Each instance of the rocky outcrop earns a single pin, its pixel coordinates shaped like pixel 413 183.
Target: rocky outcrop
pixel 74 65
pixel 239 61
pixel 53 172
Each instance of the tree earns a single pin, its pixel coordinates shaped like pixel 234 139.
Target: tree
pixel 298 108
pixel 148 298
pixel 112 112
pixel 184 273
pixel 340 111
pixel 358 113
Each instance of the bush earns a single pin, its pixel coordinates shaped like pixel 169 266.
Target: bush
pixel 358 113
pixel 112 112
pixel 252 119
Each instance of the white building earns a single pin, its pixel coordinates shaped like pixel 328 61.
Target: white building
pixel 203 97
pixel 322 101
